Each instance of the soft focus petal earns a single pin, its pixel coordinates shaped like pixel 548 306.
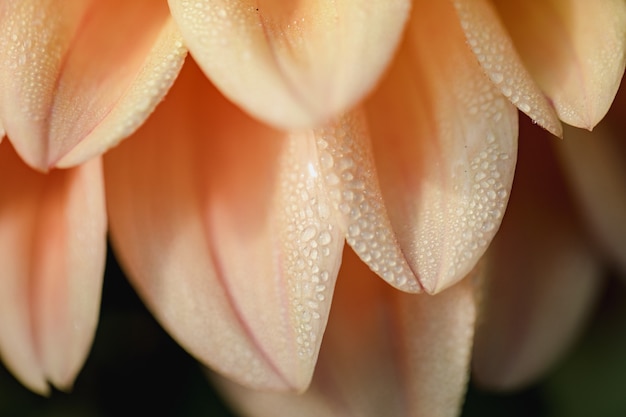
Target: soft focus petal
pixel 52 250
pixel 543 275
pixel 82 70
pixel 595 164
pixel 225 228
pixel 445 142
pixel 575 50
pixel 385 353
pixel 292 63
pixel 494 49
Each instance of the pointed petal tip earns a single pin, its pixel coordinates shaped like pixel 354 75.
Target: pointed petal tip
pixel 91 92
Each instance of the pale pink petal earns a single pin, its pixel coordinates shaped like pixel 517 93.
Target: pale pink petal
pixel 52 250
pixel 543 275
pixel 295 63
pixel 496 53
pixel 385 353
pixel 594 163
pixel 83 70
pixel 574 49
pixel 444 142
pixel 226 230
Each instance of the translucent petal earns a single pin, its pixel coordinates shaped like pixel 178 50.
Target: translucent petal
pixel 226 230
pixel 594 163
pixel 66 77
pixel 292 64
pixel 52 251
pixel 444 143
pixel 543 275
pixel 403 355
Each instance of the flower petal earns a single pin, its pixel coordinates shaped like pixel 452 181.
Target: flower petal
pixel 543 277
pixel 67 77
pixel 292 64
pixel 401 355
pixel 226 230
pixel 347 167
pixel 580 61
pixel 594 163
pixel 444 143
pixel 52 250
pixel 496 53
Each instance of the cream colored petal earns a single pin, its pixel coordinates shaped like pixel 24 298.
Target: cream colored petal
pixel 292 64
pixel 385 353
pixel 226 230
pixel 347 167
pixel 52 250
pixel 543 275
pixel 594 163
pixel 574 49
pixel 77 77
pixel 496 53
pixel 444 142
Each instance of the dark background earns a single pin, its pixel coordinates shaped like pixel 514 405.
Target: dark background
pixel 135 368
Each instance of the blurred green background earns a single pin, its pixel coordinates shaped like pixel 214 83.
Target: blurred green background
pixel 136 369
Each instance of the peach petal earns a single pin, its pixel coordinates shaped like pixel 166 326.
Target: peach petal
pixel 52 248
pixel 444 143
pixel 347 167
pixel 594 163
pixel 496 53
pixel 574 49
pixel 66 78
pixel 543 277
pixel 292 64
pixel 225 228
pixel 385 353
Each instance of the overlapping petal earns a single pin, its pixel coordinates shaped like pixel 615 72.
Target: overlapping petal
pixel 76 77
pixel 543 275
pixel 52 249
pixel 444 143
pixel 585 45
pixel 292 64
pixel 227 232
pixel 575 51
pixel 496 53
pixel 385 353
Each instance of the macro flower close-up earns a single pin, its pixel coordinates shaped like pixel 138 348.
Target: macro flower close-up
pixel 312 198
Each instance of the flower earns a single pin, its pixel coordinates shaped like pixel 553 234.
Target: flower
pixel 229 206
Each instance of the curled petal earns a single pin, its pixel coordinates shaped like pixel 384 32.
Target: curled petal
pixel 292 64
pixel 543 277
pixel 70 87
pixel 496 53
pixel 444 143
pixel 52 250
pixel 226 230
pixel 402 355
pixel 594 163
pixel 575 50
